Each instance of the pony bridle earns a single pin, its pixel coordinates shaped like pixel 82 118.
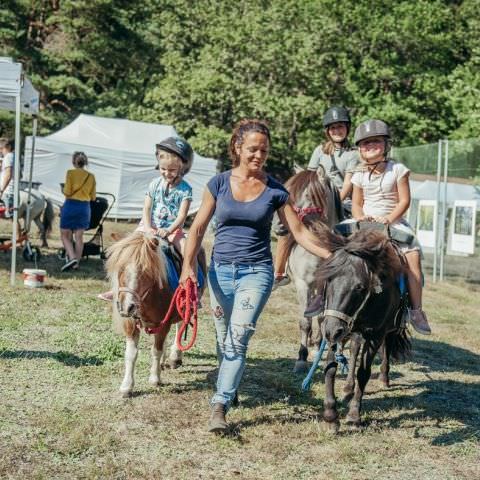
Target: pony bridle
pixel 302 212
pixel 137 301
pixel 375 286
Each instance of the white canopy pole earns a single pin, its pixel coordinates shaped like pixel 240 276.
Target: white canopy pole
pixel 16 183
pixel 30 174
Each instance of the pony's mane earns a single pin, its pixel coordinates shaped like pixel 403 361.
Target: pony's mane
pixel 141 250
pixel 318 188
pixel 371 246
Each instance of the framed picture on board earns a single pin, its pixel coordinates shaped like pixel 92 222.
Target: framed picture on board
pixel 463 224
pixel 427 223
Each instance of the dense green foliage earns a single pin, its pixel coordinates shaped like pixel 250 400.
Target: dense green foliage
pixel 203 65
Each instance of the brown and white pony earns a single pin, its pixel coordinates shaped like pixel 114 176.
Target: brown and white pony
pixel 136 267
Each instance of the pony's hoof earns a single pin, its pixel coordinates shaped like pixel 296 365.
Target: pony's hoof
pixel 353 421
pixel 331 427
pixel 125 393
pixel 154 381
pixel 175 363
pixel 301 366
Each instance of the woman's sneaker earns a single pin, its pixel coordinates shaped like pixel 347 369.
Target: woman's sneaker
pixel 419 321
pixel 280 281
pixel 69 264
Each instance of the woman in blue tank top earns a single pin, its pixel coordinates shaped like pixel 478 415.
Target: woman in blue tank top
pixel 240 277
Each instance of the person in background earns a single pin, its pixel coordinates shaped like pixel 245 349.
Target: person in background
pixel 168 197
pixel 6 178
pixel 244 200
pixel 338 160
pixel 79 191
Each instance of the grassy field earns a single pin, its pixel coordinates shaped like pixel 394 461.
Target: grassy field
pixel 61 416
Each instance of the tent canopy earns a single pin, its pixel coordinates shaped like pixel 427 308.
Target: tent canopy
pixel 11 84
pixel 121 155
pixel 427 190
pixel 17 94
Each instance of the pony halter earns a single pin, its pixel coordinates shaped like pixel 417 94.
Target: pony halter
pixel 375 287
pixel 303 212
pixel 138 300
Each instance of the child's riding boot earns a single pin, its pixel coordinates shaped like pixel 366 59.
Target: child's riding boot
pixel 419 321
pixel 280 280
pixel 315 307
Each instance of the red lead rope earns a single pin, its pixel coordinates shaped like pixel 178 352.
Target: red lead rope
pixel 185 300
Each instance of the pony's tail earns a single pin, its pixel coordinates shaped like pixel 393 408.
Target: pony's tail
pixel 48 216
pixel 399 345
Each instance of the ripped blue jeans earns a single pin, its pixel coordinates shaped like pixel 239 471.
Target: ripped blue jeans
pixel 238 293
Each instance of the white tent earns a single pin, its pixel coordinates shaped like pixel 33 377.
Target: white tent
pixel 29 98
pixel 17 94
pixel 121 156
pixel 427 190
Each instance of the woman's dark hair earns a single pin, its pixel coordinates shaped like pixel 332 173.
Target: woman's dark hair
pixel 79 159
pixel 241 128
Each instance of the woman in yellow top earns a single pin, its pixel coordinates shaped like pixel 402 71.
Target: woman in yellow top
pixel 79 190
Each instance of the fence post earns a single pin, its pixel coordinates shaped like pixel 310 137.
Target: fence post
pixel 444 211
pixel 437 222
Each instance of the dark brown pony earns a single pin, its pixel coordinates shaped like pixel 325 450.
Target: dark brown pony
pixel 361 297
pixel 136 267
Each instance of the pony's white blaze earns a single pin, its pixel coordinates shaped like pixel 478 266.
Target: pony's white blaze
pixel 131 284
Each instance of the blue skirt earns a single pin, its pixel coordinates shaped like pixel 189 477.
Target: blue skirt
pixel 75 215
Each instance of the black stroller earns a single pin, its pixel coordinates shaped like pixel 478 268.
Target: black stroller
pixel 100 208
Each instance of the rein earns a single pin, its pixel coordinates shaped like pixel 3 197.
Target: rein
pixel 303 212
pixel 185 301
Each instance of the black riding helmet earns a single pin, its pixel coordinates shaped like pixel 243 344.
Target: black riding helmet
pixel 335 115
pixel 177 146
pixel 371 128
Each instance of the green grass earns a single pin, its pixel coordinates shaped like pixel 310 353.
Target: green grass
pixel 61 416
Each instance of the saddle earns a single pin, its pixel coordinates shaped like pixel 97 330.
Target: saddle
pixel 398 236
pixel 174 266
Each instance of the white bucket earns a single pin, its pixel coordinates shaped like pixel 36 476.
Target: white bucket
pixel 34 278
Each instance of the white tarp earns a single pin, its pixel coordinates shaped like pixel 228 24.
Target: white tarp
pixel 121 155
pixel 16 94
pixel 427 190
pixel 11 84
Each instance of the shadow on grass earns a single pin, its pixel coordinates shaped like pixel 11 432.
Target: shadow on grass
pixel 443 357
pixel 68 359
pixel 444 402
pixel 269 381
